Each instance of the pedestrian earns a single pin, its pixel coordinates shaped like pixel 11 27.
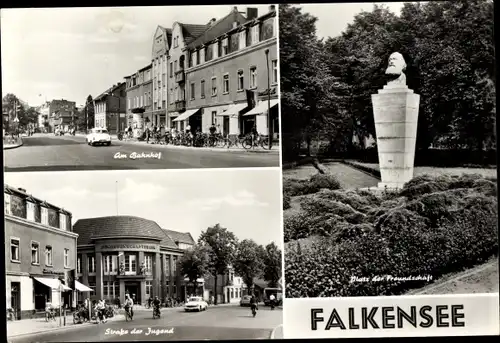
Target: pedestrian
pixel 147 135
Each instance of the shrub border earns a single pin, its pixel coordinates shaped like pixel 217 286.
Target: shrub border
pixel 368 170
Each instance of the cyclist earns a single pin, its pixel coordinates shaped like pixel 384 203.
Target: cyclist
pixel 129 305
pixel 255 135
pixel 253 304
pixel 213 129
pixel 156 305
pixel 271 301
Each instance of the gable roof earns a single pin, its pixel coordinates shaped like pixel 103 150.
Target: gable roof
pixel 21 193
pixel 192 31
pixel 218 28
pixel 109 90
pixel 168 33
pixel 180 237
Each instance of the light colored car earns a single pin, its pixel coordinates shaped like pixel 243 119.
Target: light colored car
pixel 245 300
pixel 195 304
pixel 98 136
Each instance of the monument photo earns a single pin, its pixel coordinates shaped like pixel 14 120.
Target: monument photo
pixel 389 149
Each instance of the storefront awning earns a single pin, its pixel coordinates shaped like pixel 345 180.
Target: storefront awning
pixel 186 115
pixel 82 288
pixel 234 110
pixel 52 283
pixel 262 107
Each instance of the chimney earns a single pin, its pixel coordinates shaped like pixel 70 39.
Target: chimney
pixel 22 190
pixel 252 13
pixel 272 8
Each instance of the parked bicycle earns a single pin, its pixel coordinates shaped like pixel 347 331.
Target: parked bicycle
pixel 251 141
pixel 50 314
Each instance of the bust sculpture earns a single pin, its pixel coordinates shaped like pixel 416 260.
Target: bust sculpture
pixel 395 70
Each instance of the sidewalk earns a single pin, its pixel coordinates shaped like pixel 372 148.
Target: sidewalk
pixel 9 143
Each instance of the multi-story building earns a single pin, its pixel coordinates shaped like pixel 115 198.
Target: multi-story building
pixel 43 117
pixel 226 73
pixel 40 253
pixel 139 100
pixel 230 287
pixel 61 114
pixel 121 255
pixel 110 109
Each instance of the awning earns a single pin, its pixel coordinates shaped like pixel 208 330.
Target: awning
pixel 201 280
pixel 82 288
pixel 234 110
pixel 262 107
pixel 52 283
pixel 186 115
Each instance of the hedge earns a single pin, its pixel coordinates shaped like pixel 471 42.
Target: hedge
pixel 434 226
pixel 295 187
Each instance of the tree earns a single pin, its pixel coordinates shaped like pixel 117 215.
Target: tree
pixel 90 113
pixel 222 244
pixel 13 106
pixel 194 264
pixel 272 265
pixel 248 262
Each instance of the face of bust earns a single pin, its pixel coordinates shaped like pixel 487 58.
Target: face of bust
pixel 396 64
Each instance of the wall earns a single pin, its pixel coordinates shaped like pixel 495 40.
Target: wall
pixel 175 55
pixel 244 59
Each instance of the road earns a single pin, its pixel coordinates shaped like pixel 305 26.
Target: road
pixel 217 323
pixel 46 152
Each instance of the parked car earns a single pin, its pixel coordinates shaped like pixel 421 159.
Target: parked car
pixel 245 300
pixel 98 136
pixel 195 304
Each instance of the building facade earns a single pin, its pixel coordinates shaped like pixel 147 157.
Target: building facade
pixel 43 117
pixel 139 100
pixel 129 255
pixel 110 109
pixel 227 73
pixel 230 288
pixel 40 254
pixel 61 115
pixel 161 44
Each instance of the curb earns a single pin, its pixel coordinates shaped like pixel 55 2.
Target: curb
pixel 14 146
pixel 372 172
pixel 273 333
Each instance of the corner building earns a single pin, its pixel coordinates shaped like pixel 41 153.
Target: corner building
pixel 40 254
pixel 121 255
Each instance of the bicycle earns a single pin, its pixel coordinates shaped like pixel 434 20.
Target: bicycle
pixel 50 315
pixel 251 142
pixel 156 312
pixel 254 310
pixel 128 313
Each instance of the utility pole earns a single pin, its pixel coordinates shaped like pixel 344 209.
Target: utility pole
pixel 269 121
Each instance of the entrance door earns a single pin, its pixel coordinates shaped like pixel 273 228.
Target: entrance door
pixel 225 125
pixel 133 289
pixel 15 302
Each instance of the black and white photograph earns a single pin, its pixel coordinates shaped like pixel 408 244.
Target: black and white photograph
pixel 389 150
pixel 144 255
pixel 170 87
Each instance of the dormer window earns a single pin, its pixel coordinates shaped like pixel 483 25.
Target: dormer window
pixel 30 211
pixel 242 40
pixel 7 203
pixel 225 47
pixel 45 216
pixel 62 221
pixel 255 34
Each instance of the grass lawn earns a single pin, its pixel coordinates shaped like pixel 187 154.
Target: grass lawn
pixel 486 172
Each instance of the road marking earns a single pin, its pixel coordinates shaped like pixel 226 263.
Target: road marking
pixel 273 333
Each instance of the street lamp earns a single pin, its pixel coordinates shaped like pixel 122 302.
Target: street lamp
pixel 119 107
pixel 269 122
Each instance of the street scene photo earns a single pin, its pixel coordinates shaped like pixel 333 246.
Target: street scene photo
pixel 389 149
pixel 171 87
pixel 144 255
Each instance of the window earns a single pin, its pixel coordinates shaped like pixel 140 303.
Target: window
pixel 208 53
pixel 214 115
pixel 171 96
pixel 163 103
pixel 7 203
pixel 91 264
pixel 130 264
pixel 35 253
pixel 142 101
pixel 225 84
pixel 48 255
pixel 192 91
pixel 175 66
pixel 197 57
pixel 30 211
pixel 14 249
pixel 214 86
pixel 149 288
pixel 174 263
pixel 202 89
pixel 128 103
pixel 92 287
pixel 255 34
pixel 79 264
pixel 148 262
pixel 242 40
pixel 275 71
pixel 176 41
pixel 241 80
pixel 171 69
pixel 215 50
pixel 110 264
pixel 111 289
pixel 225 47
pixel 66 258
pixel 202 55
pixel 253 77
pixel 62 221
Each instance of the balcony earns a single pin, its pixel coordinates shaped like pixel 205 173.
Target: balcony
pixel 179 76
pixel 180 105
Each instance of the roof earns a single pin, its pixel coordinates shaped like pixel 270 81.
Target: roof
pixel 146 67
pixel 192 31
pixel 120 226
pixel 218 28
pixel 21 193
pixel 168 32
pixel 109 90
pixel 180 237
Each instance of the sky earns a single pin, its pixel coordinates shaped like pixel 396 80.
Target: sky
pixel 69 53
pixel 334 18
pixel 246 202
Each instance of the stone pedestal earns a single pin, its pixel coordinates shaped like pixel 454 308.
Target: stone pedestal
pixel 395 109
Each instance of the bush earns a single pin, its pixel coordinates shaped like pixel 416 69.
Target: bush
pixel 296 226
pixel 435 225
pixel 328 181
pixel 286 201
